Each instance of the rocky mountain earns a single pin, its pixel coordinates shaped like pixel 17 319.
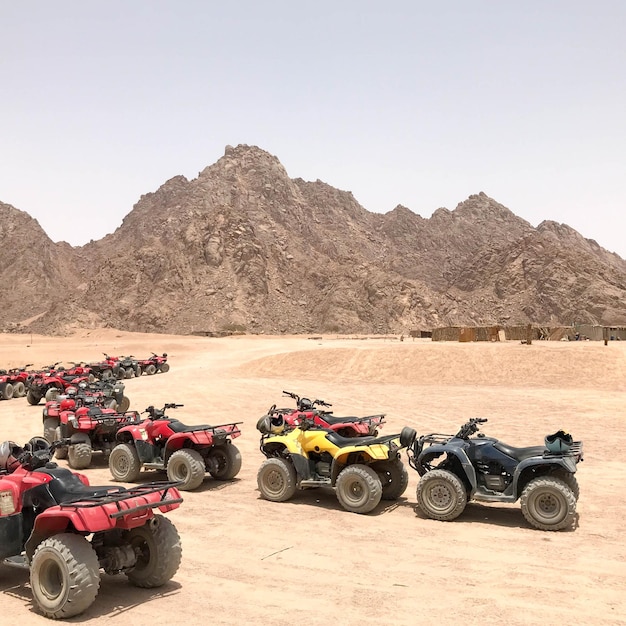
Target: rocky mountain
pixel 245 247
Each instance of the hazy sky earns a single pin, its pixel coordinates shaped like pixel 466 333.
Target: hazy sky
pixel 401 102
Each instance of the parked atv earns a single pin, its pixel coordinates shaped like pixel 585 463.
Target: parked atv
pixel 487 470
pixel 153 364
pixel 49 384
pixel 88 428
pixel 66 530
pixel 185 452
pixel 362 470
pixel 18 378
pixel 345 426
pixel 109 368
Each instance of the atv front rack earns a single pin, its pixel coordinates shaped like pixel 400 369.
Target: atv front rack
pixel 123 494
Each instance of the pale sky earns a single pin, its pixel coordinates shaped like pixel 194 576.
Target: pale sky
pixel 401 102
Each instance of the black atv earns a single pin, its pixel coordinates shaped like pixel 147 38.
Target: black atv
pixel 458 468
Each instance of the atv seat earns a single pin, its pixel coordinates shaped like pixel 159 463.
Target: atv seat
pixel 342 442
pixel 179 427
pixel 520 454
pixel 66 487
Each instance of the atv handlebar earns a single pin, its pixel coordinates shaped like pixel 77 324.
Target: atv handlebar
pixel 158 413
pixel 470 427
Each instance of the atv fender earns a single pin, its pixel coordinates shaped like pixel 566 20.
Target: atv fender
pixel 457 452
pixel 543 465
pixel 374 452
pixel 196 439
pixel 79 438
pixel 289 443
pixel 127 434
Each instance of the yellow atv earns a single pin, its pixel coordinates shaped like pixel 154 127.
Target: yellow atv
pixel 363 470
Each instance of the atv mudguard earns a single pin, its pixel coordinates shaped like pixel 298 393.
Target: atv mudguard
pixel 79 438
pixel 451 450
pixel 545 463
pixel 198 439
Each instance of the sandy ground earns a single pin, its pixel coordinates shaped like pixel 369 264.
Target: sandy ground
pixel 246 560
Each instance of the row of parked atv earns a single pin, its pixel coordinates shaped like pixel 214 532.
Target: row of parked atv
pixel 67 531
pixel 51 380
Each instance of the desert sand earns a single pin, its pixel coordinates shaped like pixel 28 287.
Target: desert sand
pixel 308 561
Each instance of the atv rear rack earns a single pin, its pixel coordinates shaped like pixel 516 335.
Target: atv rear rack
pixel 575 450
pixel 126 494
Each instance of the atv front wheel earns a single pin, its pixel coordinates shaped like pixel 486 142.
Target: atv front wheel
pixel 106 374
pixel 50 425
pixel 441 495
pixel 32 397
pixel 157 547
pixel 64 575
pixel 19 389
pixel 224 462
pixel 359 489
pixel 393 477
pixel 52 394
pixel 124 405
pixel 79 456
pixel 151 369
pixel 124 463
pixel 276 480
pixel 187 467
pixel 138 371
pixel 548 503
pixel 165 367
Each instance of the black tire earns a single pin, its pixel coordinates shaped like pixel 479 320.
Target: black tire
pixel 64 575
pixel 441 495
pixel 59 453
pixel 130 372
pixel 50 425
pixel 276 480
pixel 124 405
pixel 548 503
pixel 32 397
pixel 151 369
pixel 106 374
pixel 19 389
pixel 138 371
pixel 124 463
pixel 110 404
pixel 165 367
pixel 358 488
pixel 187 467
pixel 570 480
pixel 224 462
pixel 121 374
pixel 6 391
pixel 158 550
pixel 79 456
pixel 393 477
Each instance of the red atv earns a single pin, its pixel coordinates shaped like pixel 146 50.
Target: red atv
pixel 345 426
pixel 66 530
pixel 17 378
pixel 185 452
pixel 109 368
pixel 87 427
pixel 153 364
pixel 49 384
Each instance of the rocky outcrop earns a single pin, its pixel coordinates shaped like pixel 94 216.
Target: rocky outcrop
pixel 244 247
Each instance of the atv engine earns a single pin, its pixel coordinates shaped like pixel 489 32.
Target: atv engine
pixel 493 476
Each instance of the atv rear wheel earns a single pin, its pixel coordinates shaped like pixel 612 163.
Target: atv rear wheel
pixel 158 550
pixel 124 463
pixel 106 374
pixel 359 489
pixel 224 462
pixel 19 389
pixel 50 425
pixel 187 467
pixel 64 575
pixel 59 453
pixel 6 391
pixel 570 480
pixel 151 369
pixel 165 367
pixel 548 503
pixel 32 397
pixel 393 477
pixel 441 495
pixel 138 371
pixel 276 480
pixel 79 455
